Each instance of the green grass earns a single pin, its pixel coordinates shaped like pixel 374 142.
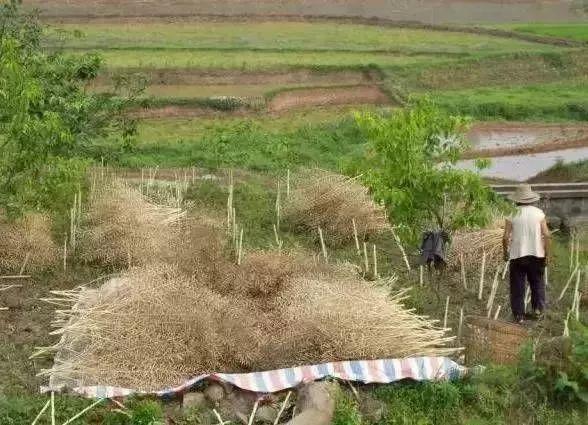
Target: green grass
pixel 554 101
pixel 264 145
pixel 251 60
pixel 573 31
pixel 284 35
pixel 565 173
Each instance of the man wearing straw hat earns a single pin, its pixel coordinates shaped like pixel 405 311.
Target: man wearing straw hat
pixel 526 247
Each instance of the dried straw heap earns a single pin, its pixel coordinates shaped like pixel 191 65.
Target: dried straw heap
pixel 192 310
pixel 332 201
pixel 470 245
pixel 122 228
pixel 27 242
pixel 155 326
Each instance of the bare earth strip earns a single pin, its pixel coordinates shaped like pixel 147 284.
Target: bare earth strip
pixel 440 11
pixel 327 97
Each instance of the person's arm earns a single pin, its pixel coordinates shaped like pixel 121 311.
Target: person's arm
pixel 506 239
pixel 546 239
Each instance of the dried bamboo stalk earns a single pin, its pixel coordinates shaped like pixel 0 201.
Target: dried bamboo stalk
pixel 83 411
pixel 355 237
pixel 505 269
pixel 421 273
pixel 463 272
pixel 482 273
pixel 41 412
pixel 375 263
pixel 323 246
pixel 493 290
pixel 397 239
pixel 565 288
pixel 446 312
pixel 52 408
pixel 282 408
pixel 497 312
pixel 460 326
pixel 253 412
pixel 365 257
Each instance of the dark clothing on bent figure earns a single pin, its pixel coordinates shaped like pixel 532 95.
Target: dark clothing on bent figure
pixel 523 269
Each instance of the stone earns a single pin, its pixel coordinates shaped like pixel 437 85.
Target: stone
pixel 193 401
pixel 266 414
pixel 214 393
pixel 371 408
pixel 315 404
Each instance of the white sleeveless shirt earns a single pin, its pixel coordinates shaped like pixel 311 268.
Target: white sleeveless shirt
pixel 527 238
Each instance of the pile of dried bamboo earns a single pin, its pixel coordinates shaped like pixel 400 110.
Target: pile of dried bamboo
pixel 26 245
pixel 121 228
pixel 332 202
pixel 156 325
pixel 470 245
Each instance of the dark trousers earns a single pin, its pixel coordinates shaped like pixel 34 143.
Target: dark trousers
pixel 524 269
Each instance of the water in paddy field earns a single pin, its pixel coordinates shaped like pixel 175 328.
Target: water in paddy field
pixel 523 167
pixel 431 11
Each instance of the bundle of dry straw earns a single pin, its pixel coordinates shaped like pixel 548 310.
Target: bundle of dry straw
pixel 470 245
pixel 26 244
pixel 321 199
pixel 122 228
pixel 155 326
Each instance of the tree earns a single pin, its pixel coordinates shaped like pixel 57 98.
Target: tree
pixel 410 167
pixel 48 121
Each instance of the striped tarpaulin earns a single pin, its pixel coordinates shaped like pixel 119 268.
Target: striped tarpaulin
pixel 365 371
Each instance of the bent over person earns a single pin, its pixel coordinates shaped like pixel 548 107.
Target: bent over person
pixel 526 246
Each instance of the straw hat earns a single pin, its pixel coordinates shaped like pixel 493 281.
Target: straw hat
pixel 524 195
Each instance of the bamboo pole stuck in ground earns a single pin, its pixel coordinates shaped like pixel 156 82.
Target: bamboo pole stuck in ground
pixel 375 262
pixel 497 312
pixel 278 201
pixel 52 408
pixel 41 412
pixel 253 412
pixel 397 239
pixel 365 258
pixel 572 252
pixel 577 262
pixel 460 326
pixel 463 272
pixel 546 276
pixel 576 305
pixel 565 288
pixel 482 272
pixel 505 269
pixel 355 237
pixel 240 251
pixel 277 237
pixel 446 312
pixel 421 274
pixel 83 411
pixel 65 254
pixel 490 302
pixel 282 408
pixel 323 246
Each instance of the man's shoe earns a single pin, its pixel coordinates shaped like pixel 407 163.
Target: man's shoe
pixel 535 315
pixel 519 320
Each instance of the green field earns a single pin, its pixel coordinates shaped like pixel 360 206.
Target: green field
pixel 287 36
pixel 578 31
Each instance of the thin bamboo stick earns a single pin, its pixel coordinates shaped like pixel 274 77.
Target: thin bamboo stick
pixel 41 412
pixel 463 272
pixel 24 263
pixel 505 269
pixel 278 206
pixel 497 312
pixel 365 258
pixel 460 326
pixel 356 238
pixel 282 408
pixel 375 262
pixel 577 251
pixel 52 408
pixel 446 312
pixel 253 412
pixel 421 273
pixel 65 254
pixel 572 252
pixel 240 252
pixel 288 184
pixel 482 272
pixel 546 276
pixel 323 246
pixel 83 411
pixel 577 295
pixel 490 302
pixel 565 288
pixel 397 239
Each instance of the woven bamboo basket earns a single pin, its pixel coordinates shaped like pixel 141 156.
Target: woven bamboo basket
pixel 493 341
